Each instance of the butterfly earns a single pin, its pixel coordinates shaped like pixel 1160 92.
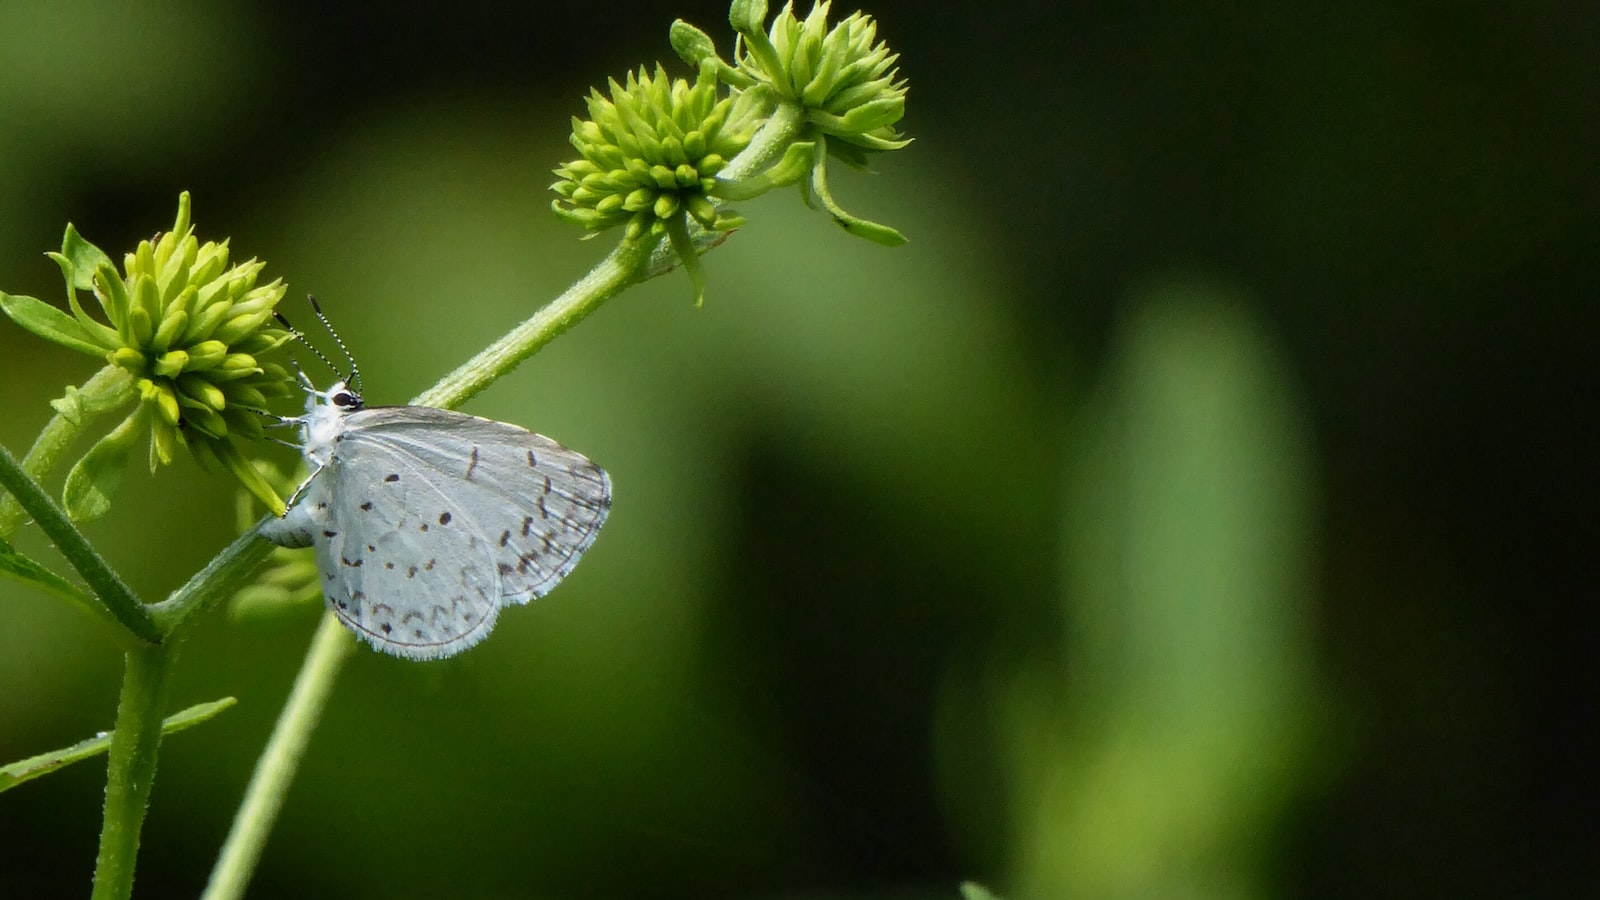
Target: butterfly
pixel 427 522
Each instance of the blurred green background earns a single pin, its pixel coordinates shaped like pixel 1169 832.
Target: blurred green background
pixel 1191 509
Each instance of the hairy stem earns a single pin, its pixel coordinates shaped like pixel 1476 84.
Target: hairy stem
pixel 132 767
pixel 100 394
pixel 223 575
pixel 622 267
pixel 108 587
pixel 279 761
pixel 769 143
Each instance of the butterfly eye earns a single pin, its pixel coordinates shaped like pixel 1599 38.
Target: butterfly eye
pixel 344 399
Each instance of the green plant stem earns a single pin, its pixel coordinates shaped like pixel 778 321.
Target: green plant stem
pixel 220 577
pixel 279 761
pixel 622 267
pixel 108 587
pixel 59 433
pixel 132 766
pixel 769 143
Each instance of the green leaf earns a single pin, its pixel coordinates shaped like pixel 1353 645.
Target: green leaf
pixel 690 43
pixel 85 258
pixel 49 323
pixel 45 763
pixel 872 231
pixel 678 235
pixel 26 570
pixel 249 476
pixel 101 333
pixel 94 480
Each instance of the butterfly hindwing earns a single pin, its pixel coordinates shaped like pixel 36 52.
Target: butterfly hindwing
pixel 391 572
pixel 507 507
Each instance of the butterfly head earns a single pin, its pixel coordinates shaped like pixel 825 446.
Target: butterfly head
pixel 343 397
pixel 324 419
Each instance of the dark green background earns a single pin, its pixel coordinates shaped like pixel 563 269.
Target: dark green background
pixel 1198 506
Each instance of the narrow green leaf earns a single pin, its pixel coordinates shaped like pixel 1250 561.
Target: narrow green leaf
pixel 678 235
pixel 102 334
pixel 45 763
pixel 93 482
pixel 248 476
pixel 26 570
pixel 872 231
pixel 23 569
pixel 86 258
pixel 49 323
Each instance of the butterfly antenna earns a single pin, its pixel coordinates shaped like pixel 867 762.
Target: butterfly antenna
pixel 355 371
pixel 299 335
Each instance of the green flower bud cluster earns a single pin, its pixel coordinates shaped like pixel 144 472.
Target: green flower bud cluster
pixel 650 154
pixel 839 84
pixel 843 76
pixel 189 331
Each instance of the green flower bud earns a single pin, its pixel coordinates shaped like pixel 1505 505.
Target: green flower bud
pixel 128 358
pixel 236 365
pixel 171 363
pixel 204 392
pixel 206 355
